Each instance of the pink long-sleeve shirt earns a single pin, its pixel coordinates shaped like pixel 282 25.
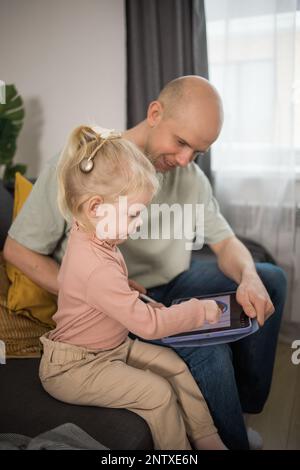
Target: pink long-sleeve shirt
pixel 96 306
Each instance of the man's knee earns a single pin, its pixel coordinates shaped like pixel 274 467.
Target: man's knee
pixel 274 279
pixel 209 363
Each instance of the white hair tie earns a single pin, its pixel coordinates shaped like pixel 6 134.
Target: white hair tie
pixel 104 133
pixel 87 164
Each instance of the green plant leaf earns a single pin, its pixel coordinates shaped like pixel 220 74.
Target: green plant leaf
pixel 14 104
pixel 11 120
pixel 8 138
pixel 16 116
pixel 10 171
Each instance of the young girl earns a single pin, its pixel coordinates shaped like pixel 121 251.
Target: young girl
pixel 88 359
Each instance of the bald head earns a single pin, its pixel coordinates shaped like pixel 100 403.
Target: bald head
pixel 188 92
pixel 184 121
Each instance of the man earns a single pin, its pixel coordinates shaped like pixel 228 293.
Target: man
pixel 184 121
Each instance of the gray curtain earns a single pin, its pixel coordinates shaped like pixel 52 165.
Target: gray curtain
pixel 165 39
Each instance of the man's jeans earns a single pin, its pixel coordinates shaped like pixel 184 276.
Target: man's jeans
pixel 236 377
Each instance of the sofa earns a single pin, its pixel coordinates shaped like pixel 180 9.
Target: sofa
pixel 25 408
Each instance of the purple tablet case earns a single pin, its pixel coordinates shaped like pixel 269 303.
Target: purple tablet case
pixel 212 340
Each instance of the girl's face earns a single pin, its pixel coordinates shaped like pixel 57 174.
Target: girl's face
pixel 118 220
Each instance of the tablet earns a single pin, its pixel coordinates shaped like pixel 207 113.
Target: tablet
pixel 233 320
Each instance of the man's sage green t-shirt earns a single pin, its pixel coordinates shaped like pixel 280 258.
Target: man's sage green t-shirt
pixel 152 261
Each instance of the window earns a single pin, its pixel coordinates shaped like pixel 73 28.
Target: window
pixel 254 61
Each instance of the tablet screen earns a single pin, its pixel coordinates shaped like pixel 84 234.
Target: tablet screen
pixel 232 316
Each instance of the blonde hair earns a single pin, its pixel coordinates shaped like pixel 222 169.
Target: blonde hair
pixel 119 169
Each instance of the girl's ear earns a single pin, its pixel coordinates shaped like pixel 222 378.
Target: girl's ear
pixel 154 113
pixel 93 205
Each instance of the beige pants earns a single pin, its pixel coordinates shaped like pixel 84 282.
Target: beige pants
pixel 150 380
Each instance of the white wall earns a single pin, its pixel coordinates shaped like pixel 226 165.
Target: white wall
pixel 67 59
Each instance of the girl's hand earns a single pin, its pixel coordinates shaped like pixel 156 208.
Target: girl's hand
pixel 212 313
pixel 136 286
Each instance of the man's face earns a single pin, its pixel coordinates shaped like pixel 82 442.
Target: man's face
pixel 177 141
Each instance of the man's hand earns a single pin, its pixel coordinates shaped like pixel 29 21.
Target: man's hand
pixel 254 298
pixel 236 262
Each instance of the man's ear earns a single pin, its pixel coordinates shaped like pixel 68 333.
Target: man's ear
pixel 93 205
pixel 154 114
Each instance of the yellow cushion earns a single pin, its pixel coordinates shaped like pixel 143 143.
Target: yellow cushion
pixel 20 334
pixel 24 296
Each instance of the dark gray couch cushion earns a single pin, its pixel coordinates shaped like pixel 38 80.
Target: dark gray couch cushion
pixel 25 408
